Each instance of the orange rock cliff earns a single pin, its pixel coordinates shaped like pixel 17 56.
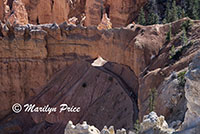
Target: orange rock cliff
pixel 90 54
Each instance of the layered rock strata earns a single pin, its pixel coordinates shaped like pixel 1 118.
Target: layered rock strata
pixel 38 62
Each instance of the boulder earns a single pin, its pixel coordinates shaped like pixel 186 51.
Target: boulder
pixel 80 129
pixel 192 92
pixel 152 124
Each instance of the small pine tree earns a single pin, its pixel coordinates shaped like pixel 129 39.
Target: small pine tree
pixel 195 9
pixel 184 38
pixel 156 18
pixel 137 127
pixel 169 34
pixel 183 13
pixel 141 18
pixel 152 100
pixel 174 12
pixel 153 18
pixel 187 25
pixel 167 13
pixel 193 6
pixel 180 12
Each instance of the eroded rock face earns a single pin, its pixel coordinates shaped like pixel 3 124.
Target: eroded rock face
pixel 49 48
pixel 192 93
pixel 105 23
pixel 171 96
pixel 44 63
pixel 18 14
pixel 48 11
pixel 121 12
pixel 102 97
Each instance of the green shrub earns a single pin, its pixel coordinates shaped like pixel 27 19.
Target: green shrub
pixel 187 25
pixel 181 79
pixel 172 52
pixel 137 127
pixel 184 38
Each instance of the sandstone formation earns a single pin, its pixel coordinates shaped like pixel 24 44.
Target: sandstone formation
pixel 51 11
pixel 48 48
pixel 108 73
pixel 105 23
pixel 121 12
pixel 18 14
pixel 192 92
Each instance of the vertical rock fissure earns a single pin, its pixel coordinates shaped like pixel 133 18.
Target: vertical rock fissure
pixel 52 4
pixel 46 46
pixel 37 21
pixel 10 3
pixel 107 10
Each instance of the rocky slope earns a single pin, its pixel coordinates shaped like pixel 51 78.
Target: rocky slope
pixel 158 81
pixel 192 117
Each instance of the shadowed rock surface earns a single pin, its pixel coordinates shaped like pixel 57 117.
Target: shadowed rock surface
pixel 103 96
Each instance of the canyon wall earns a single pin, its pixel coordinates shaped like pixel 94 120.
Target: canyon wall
pixel 32 56
pixel 42 63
